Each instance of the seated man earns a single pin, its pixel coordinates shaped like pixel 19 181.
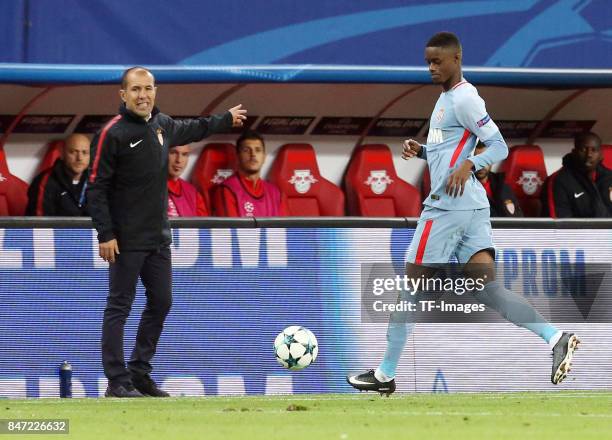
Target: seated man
pixel 246 194
pixel 60 190
pixel 184 200
pixel 502 200
pixel 583 186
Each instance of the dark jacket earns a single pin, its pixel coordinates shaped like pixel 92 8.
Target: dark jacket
pixel 128 193
pixel 570 192
pixel 504 202
pixel 52 193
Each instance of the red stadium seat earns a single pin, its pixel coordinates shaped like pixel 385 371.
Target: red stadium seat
pixel 373 188
pixel 525 174
pixel 606 152
pixel 296 172
pixel 54 151
pixel 215 164
pixel 13 191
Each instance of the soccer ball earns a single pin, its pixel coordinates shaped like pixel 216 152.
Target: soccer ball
pixel 296 347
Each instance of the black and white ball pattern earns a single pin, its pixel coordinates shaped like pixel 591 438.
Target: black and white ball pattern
pixel 296 347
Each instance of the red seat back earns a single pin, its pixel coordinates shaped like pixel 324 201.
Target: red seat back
pixel 525 174
pixel 373 188
pixel 215 164
pixel 606 152
pixel 54 152
pixel 13 191
pixel 308 194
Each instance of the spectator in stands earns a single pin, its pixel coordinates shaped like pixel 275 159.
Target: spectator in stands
pixel 502 200
pixel 184 200
pixel 246 194
pixel 583 186
pixel 60 190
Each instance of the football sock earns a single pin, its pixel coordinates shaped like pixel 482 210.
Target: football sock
pixel 516 309
pixel 397 334
pixel 553 341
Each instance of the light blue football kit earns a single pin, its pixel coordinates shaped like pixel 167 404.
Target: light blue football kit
pixel 461 225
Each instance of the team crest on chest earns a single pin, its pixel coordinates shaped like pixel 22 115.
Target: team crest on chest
pixel 160 136
pixel 2 178
pixel 302 180
pixel 378 181
pixel 439 115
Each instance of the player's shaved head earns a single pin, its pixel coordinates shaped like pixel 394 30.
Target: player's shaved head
pixel 587 150
pixel 586 137
pixel 446 40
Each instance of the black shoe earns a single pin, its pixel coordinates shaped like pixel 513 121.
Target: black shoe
pixel 562 353
pixel 368 382
pixel 147 386
pixel 122 391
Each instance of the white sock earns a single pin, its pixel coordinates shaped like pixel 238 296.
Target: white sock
pixel 553 341
pixel 381 377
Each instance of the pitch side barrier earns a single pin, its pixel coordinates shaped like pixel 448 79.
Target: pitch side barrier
pixel 71 74
pixel 306 222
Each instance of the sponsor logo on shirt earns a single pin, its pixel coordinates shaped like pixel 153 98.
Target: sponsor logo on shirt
pixel 172 210
pixel 435 136
pixel 483 121
pixel 249 208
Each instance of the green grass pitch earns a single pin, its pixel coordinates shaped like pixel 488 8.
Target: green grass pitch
pixel 555 415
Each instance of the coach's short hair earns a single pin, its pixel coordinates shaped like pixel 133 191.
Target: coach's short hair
pixel 581 138
pixel 444 39
pixel 126 72
pixel 249 135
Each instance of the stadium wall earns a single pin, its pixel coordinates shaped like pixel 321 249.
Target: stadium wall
pixel 236 286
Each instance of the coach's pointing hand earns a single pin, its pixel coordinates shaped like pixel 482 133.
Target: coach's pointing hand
pixel 238 115
pixel 411 149
pixel 108 250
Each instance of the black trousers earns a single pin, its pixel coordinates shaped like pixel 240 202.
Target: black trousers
pixel 155 271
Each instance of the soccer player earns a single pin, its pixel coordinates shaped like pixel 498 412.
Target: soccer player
pixel 456 218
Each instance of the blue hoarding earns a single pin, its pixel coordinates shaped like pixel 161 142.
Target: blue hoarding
pixel 235 289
